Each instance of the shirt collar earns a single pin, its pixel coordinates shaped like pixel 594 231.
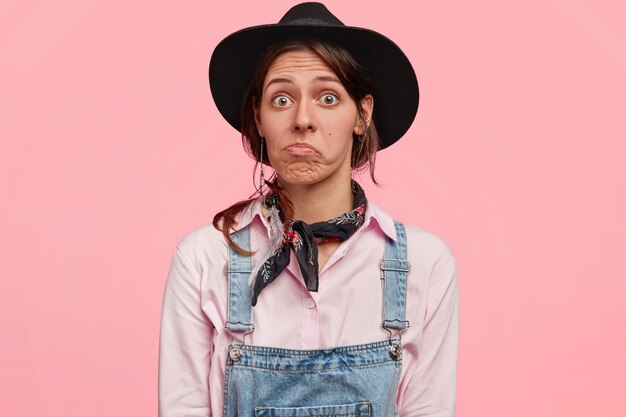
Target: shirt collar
pixel 382 218
pixel 373 213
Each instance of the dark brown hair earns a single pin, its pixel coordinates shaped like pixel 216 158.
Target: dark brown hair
pixel 357 83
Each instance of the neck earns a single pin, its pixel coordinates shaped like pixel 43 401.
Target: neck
pixel 321 201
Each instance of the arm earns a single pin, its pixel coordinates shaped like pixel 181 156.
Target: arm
pixel 431 391
pixel 185 344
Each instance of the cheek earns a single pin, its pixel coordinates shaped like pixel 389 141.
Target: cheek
pixel 343 120
pixel 274 145
pixel 273 154
pixel 275 125
pixel 338 131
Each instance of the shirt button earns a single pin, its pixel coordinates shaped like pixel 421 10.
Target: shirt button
pixel 310 303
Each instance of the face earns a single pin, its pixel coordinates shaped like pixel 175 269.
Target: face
pixel 307 119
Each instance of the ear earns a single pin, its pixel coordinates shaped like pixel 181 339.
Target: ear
pixel 257 116
pixel 367 108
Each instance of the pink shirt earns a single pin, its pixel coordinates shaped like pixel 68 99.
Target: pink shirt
pixel 346 310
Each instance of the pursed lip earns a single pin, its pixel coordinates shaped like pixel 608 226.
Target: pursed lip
pixel 301 145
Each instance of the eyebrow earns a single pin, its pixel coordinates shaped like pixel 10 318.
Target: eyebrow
pixel 330 78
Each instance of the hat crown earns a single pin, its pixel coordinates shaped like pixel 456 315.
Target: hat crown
pixel 395 88
pixel 310 14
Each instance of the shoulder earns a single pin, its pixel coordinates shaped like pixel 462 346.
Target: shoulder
pixel 433 262
pixel 422 244
pixel 205 237
pixel 427 245
pixel 203 246
pixel 207 244
pixel 431 258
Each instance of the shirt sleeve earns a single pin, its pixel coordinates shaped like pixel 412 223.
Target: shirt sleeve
pixel 185 344
pixel 431 391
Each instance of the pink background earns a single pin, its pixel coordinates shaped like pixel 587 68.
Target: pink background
pixel 112 150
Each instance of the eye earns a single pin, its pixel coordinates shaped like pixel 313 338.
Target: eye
pixel 281 101
pixel 329 98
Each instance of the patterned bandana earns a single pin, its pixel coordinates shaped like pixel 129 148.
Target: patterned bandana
pixel 303 238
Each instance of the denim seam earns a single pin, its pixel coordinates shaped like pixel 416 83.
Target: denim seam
pixel 381 345
pixel 395 404
pixel 316 371
pixel 359 413
pixel 226 396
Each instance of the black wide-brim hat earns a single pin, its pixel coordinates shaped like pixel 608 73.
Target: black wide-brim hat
pixel 396 94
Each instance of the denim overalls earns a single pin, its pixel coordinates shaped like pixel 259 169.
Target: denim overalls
pixel 347 381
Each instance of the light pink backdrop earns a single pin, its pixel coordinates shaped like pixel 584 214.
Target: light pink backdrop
pixel 112 150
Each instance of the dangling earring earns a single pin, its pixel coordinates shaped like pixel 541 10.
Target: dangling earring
pixel 261 175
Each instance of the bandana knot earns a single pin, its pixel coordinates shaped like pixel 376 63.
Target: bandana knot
pixel 303 239
pixel 290 235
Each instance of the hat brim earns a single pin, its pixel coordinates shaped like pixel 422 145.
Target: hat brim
pixel 396 94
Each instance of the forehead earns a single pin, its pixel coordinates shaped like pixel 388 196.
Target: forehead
pixel 296 63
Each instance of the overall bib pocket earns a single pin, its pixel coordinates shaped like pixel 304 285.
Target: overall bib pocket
pixel 360 409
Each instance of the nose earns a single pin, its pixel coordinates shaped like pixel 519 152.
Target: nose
pixel 304 118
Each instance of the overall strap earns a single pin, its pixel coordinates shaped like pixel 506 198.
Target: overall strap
pixel 239 268
pixel 394 268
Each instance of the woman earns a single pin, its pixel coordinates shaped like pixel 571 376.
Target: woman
pixel 309 299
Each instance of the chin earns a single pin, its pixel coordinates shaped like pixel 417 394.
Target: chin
pixel 299 179
pixel 302 174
